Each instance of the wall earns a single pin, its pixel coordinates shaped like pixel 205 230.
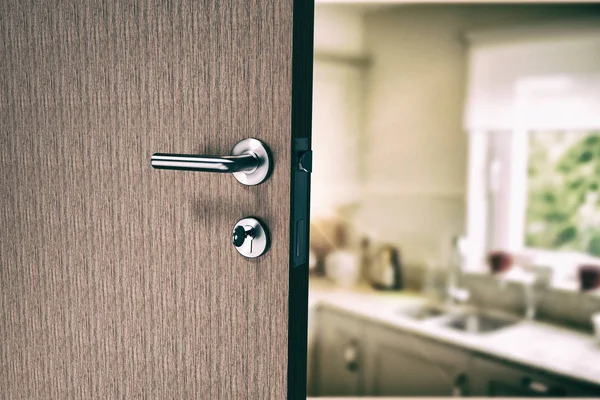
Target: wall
pixel 565 307
pixel 339 29
pixel 416 161
pixel 337 108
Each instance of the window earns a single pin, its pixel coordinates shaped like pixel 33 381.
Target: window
pixel 533 119
pixel 563 207
pixel 537 186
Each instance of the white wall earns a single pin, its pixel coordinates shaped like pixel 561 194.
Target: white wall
pixel 416 161
pixel 337 108
pixel 339 29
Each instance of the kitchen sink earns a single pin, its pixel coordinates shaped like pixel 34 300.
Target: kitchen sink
pixel 478 322
pixel 421 312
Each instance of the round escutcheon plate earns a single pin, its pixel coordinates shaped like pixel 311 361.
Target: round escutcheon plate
pixel 255 237
pixel 262 153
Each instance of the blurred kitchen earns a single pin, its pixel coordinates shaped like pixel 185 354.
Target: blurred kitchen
pixel 455 232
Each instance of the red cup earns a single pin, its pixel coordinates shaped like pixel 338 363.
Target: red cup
pixel 589 277
pixel 499 261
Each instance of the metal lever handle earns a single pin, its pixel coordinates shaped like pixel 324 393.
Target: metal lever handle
pixel 186 162
pixel 249 162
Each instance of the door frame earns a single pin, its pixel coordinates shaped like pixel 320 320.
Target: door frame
pixel 301 131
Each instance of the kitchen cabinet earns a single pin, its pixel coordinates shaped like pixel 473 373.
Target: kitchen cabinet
pixel 402 364
pixel 495 378
pixel 356 356
pixel 339 354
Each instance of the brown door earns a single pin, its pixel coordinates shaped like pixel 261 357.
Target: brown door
pixel 119 280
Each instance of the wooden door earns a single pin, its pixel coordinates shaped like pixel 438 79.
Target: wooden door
pixel 118 280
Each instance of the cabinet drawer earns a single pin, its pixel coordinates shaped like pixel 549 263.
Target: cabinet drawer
pixel 496 378
pixel 419 346
pixel 331 317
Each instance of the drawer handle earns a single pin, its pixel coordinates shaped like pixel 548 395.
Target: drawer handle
pixel 535 386
pixel 459 388
pixel 351 356
pixel 542 388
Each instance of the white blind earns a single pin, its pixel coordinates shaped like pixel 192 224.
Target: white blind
pixel 504 72
pixel 569 102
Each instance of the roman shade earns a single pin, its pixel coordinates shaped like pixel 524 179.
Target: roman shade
pixel 553 72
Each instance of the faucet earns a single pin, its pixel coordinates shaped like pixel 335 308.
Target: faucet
pixel 457 295
pixel 531 288
pixel 454 293
pixel 530 300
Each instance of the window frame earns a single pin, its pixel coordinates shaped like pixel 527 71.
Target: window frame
pixel 497 190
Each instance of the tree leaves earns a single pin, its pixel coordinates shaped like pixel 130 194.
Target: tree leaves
pixel 566 235
pixel 563 173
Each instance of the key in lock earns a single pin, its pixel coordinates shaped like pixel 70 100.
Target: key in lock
pixel 250 237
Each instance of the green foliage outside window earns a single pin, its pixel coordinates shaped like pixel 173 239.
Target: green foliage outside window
pixel 563 208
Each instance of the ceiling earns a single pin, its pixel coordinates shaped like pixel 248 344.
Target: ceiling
pixel 363 5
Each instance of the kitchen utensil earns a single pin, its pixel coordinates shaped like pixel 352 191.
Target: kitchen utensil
pixel 386 269
pixel 343 267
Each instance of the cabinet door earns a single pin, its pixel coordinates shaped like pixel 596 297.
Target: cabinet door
pixel 339 354
pixel 578 389
pixel 401 364
pixel 496 379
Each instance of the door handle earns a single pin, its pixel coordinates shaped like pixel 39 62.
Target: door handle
pixel 250 162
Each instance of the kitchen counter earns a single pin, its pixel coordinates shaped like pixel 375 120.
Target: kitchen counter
pixel 539 345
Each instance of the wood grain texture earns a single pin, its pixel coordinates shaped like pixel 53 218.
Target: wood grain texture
pixel 117 280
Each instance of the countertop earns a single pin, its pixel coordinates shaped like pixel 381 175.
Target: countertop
pixel 542 346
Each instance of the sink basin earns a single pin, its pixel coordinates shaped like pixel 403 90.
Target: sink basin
pixel 477 322
pixel 421 312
